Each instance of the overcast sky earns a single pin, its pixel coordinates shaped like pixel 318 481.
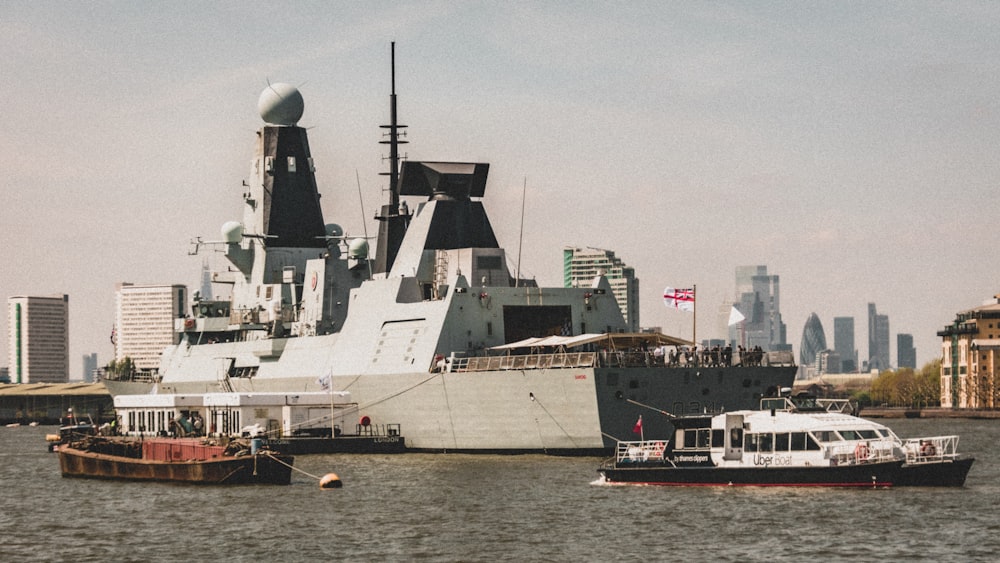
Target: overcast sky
pixel 849 146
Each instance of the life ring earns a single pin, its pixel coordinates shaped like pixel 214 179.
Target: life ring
pixel 928 449
pixel 861 452
pixel 365 421
pixel 188 323
pixel 658 448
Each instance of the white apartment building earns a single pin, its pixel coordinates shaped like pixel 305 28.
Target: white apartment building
pixel 39 339
pixel 144 322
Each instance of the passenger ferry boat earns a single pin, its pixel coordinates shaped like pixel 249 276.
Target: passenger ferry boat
pixel 798 441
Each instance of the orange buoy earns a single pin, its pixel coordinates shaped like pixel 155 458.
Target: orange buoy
pixel 330 481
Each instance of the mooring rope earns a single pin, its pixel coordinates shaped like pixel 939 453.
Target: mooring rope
pixel 290 466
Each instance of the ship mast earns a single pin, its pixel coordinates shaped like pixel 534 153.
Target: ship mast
pixel 392 220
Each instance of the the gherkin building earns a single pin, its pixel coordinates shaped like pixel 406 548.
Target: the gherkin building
pixel 813 341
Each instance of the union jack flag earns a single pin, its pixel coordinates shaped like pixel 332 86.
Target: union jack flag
pixel 682 299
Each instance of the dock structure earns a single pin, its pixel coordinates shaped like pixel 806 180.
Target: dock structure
pixel 50 403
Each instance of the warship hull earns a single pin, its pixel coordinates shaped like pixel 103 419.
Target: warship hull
pixel 566 411
pixel 435 335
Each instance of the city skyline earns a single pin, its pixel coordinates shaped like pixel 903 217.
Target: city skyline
pixel 845 148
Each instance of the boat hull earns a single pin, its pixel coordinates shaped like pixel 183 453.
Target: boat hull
pixel 883 474
pixel 945 473
pixel 261 468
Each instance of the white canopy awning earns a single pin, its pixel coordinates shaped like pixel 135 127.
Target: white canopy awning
pixel 611 340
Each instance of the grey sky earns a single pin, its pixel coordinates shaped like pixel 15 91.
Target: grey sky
pixel 849 146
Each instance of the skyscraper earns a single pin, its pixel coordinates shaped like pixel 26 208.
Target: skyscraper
pixel 758 300
pixel 144 323
pixel 906 354
pixel 582 265
pixel 843 343
pixel 89 367
pixel 39 339
pixel 206 281
pixel 813 342
pixel 878 340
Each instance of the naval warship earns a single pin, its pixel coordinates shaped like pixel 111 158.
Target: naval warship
pixel 433 333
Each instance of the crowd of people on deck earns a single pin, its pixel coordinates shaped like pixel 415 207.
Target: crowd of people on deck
pixel 716 356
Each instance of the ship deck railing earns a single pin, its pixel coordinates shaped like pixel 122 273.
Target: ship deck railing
pixel 528 361
pixel 135 377
pixel 932 449
pixel 561 359
pixel 862 451
pixel 640 451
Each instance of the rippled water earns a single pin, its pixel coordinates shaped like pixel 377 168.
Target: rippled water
pixel 486 508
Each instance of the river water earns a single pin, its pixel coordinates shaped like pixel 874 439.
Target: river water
pixel 451 507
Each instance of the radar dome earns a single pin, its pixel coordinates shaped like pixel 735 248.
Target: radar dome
pixel 334 230
pixel 280 104
pixel 232 232
pixel 358 249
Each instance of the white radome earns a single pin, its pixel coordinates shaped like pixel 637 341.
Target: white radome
pixel 281 104
pixel 232 232
pixel 358 249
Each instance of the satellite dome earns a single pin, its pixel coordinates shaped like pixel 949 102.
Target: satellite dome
pixel 358 249
pixel 232 232
pixel 280 104
pixel 334 230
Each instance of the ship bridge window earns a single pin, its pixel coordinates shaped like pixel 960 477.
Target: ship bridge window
pixel 850 434
pixel 868 434
pixel 826 436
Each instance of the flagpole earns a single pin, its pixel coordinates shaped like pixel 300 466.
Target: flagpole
pixel 694 316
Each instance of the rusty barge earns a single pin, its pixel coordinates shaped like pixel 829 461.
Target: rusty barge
pixel 178 460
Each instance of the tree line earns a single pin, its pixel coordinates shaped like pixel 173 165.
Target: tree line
pixel 904 387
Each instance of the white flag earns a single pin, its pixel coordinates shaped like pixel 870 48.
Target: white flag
pixel 735 316
pixel 682 299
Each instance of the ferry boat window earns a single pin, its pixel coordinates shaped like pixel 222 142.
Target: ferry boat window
pixel 798 441
pixel 802 441
pixel 850 435
pixel 766 442
pixel 704 437
pixel 736 437
pixel 868 434
pixel 781 442
pixel 697 438
pixel 776 404
pixel 717 437
pixel 686 438
pixel 826 436
pixel 750 443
